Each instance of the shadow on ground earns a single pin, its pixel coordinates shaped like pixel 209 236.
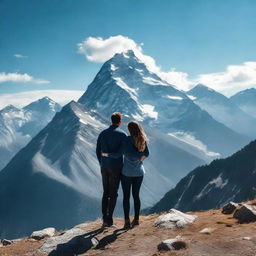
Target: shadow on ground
pixel 81 244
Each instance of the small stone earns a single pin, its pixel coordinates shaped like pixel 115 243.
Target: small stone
pixel 245 214
pixel 174 219
pixel 5 242
pixel 206 231
pixel 41 234
pixel 247 238
pixel 229 208
pixel 172 244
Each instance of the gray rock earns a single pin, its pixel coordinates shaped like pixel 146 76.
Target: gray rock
pixel 5 242
pixel 245 214
pixel 229 208
pixel 73 241
pixel 174 219
pixel 206 231
pixel 176 243
pixel 41 234
pixel 248 238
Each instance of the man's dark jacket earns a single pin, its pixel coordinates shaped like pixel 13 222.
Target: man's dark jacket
pixel 110 141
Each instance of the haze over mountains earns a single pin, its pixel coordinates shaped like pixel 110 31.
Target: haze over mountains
pixel 225 110
pixel 246 101
pixel 213 185
pixel 55 179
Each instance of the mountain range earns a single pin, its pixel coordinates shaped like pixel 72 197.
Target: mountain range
pixel 125 84
pixel 19 125
pixel 211 186
pixel 223 109
pixel 55 179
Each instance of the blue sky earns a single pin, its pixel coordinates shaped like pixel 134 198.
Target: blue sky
pixel 201 39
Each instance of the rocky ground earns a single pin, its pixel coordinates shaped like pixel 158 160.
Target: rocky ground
pixel 212 233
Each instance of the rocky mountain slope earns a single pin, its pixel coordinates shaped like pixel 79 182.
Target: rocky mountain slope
pixel 211 234
pixel 18 126
pixel 212 185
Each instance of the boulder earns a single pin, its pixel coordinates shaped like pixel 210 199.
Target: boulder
pixel 176 243
pixel 229 208
pixel 73 241
pixel 245 214
pixel 174 219
pixel 5 242
pixel 41 234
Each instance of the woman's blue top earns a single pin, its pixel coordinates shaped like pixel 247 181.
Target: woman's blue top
pixel 133 166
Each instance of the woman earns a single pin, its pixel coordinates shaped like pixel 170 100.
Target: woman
pixel 135 150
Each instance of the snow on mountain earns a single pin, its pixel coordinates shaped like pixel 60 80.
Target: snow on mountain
pixel 223 110
pixel 18 126
pixel 213 185
pixel 246 100
pixel 125 84
pixel 55 180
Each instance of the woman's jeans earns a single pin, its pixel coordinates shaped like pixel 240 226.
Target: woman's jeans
pixel 133 183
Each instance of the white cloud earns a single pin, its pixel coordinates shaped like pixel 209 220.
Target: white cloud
pixel 180 79
pixel 22 99
pixel 230 81
pixel 235 78
pixel 20 78
pixel 20 56
pixel 96 49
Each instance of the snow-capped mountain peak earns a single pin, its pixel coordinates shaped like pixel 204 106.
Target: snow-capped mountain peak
pixel 43 104
pixel 246 100
pixel 8 108
pixel 125 84
pixel 203 91
pixel 18 126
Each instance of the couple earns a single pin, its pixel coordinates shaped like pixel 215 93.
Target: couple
pixel 121 159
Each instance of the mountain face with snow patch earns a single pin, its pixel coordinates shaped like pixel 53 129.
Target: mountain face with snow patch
pixel 125 84
pixel 246 100
pixel 213 185
pixel 223 110
pixel 55 180
pixel 18 126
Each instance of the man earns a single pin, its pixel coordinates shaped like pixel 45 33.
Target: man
pixel 110 140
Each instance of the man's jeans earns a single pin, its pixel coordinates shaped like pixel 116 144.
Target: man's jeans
pixel 110 180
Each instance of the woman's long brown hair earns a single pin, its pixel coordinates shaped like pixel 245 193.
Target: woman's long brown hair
pixel 138 135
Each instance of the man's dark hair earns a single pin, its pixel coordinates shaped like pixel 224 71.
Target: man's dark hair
pixel 116 118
